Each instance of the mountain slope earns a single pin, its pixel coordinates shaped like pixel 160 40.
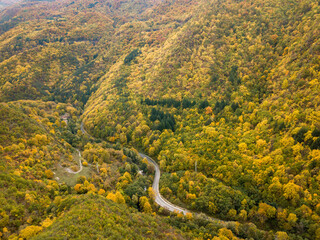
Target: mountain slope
pixel 97 217
pixel 223 93
pixel 58 51
pixel 236 86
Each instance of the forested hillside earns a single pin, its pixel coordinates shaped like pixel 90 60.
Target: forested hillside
pixel 6 3
pixel 224 94
pixel 235 90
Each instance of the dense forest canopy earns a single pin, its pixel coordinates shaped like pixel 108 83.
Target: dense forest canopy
pixel 223 94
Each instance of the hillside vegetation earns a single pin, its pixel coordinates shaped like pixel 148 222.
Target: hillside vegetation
pixel 109 221
pixel 224 94
pixel 37 191
pixel 234 90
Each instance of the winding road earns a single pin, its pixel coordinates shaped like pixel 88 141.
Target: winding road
pixel 162 202
pixel 84 131
pixel 158 198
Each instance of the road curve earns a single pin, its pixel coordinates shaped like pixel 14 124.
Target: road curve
pixel 84 131
pixel 158 198
pixel 162 202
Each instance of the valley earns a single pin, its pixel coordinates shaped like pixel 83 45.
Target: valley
pixel 153 119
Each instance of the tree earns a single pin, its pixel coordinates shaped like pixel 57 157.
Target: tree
pixel 151 193
pixel 49 173
pixel 101 191
pixel 243 215
pixel 112 197
pixel 212 208
pixel 282 236
pixel 147 207
pixel 291 192
pixel 265 212
pixel 232 213
pixel 123 138
pixel 292 219
pixel 120 198
pixel 225 233
pixel 79 188
pixel 30 231
pixel 208 110
pixel 91 188
pixel 117 197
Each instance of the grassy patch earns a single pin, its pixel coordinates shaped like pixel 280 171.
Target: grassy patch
pixel 62 176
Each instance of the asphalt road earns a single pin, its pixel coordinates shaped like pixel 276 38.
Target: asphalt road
pixel 162 202
pixel 83 130
pixel 158 198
